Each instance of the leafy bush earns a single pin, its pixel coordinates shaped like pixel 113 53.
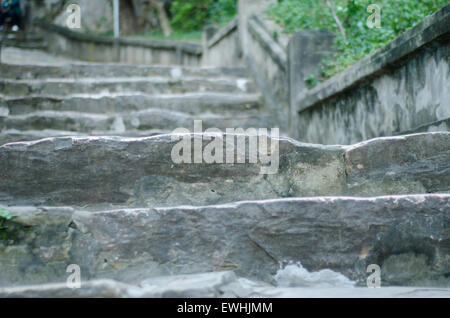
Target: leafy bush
pixel 5 216
pixel 396 17
pixel 192 15
pixel 222 11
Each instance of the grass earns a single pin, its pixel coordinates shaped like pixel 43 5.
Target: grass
pixel 4 217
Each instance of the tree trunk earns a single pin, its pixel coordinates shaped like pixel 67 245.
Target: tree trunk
pixel 162 17
pixel 336 18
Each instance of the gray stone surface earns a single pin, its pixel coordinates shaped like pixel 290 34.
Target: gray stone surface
pixel 13 135
pixel 93 289
pixel 306 50
pixel 208 285
pixel 250 238
pixel 141 171
pixel 155 85
pixel 30 68
pixel 140 225
pixel 94 48
pixel 267 60
pixel 223 48
pixel 189 103
pixel 405 164
pixel 14 56
pixel 150 119
pixel 236 288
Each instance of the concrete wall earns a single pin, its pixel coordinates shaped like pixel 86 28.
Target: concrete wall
pixel 405 87
pixel 100 49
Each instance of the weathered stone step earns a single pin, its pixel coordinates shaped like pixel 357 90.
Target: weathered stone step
pixel 407 236
pixel 23 36
pixel 23 41
pixel 84 70
pixel 229 287
pixel 143 172
pixel 25 45
pixel 153 85
pixel 149 119
pixel 13 135
pixel 191 103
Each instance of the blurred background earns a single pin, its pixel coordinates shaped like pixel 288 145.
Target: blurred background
pixel 173 19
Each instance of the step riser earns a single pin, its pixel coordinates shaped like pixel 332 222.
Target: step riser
pixel 142 172
pixel 26 45
pixel 61 88
pixel 345 235
pixel 190 104
pixel 146 120
pixel 83 70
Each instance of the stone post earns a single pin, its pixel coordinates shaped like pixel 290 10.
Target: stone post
pixel 306 50
pixel 247 8
pixel 208 32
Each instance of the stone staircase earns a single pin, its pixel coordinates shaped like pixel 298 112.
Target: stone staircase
pixel 24 40
pixel 86 168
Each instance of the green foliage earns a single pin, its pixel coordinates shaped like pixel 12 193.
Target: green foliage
pixel 396 17
pixel 192 15
pixel 222 11
pixel 4 217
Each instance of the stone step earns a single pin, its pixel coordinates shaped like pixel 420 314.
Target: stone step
pixel 407 236
pixel 89 70
pixel 149 119
pixel 153 85
pixel 23 36
pixel 190 103
pixel 150 172
pixel 9 136
pixel 23 40
pixel 213 285
pixel 25 45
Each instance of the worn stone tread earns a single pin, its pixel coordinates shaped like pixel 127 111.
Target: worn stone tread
pixel 13 135
pixel 141 171
pixel 252 238
pixel 85 69
pixel 235 289
pixel 155 85
pixel 191 103
pixel 148 119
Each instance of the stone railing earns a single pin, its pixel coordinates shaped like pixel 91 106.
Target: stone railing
pixel 222 48
pixel 404 87
pixel 106 49
pixel 256 42
pixel 267 60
